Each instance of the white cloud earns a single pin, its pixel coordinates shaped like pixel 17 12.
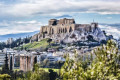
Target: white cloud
pixel 57 7
pixel 51 8
pixel 111 30
pixel 26 22
pixel 19 26
pixel 109 17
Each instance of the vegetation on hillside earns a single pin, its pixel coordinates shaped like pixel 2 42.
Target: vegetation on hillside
pixel 43 44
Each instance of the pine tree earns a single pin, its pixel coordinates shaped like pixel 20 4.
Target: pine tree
pixel 11 63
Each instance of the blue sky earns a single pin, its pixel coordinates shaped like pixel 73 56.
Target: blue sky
pixel 18 16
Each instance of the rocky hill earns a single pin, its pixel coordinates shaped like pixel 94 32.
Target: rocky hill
pixel 67 31
pixel 77 35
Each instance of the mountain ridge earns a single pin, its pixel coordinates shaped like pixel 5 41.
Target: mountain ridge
pixel 17 35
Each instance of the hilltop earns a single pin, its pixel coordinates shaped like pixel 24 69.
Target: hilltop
pixel 67 31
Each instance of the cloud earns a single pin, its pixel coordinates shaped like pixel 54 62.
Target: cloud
pixel 19 26
pixel 109 17
pixel 58 7
pixel 10 9
pixel 111 30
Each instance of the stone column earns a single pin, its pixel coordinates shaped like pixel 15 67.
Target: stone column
pixel 31 62
pixel 24 63
pixel 9 60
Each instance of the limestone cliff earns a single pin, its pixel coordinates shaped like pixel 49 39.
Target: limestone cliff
pixel 76 35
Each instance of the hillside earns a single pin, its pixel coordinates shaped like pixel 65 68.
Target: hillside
pixel 43 44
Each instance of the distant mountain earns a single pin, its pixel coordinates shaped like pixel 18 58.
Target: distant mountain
pixel 115 24
pixel 18 35
pixel 64 16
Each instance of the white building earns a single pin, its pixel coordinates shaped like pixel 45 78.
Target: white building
pixel 10 41
pixel 55 58
pixel 2 58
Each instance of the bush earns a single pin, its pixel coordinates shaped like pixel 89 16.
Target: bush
pixel 4 77
pixel 36 75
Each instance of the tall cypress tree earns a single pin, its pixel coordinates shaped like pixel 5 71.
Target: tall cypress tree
pixel 6 62
pixel 11 63
pixel 5 67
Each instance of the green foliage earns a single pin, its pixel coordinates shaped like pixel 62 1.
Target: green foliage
pixel 47 69
pixel 49 41
pixel 36 75
pixel 103 67
pixel 4 77
pixel 52 74
pixel 15 43
pixel 35 45
pixel 5 67
pixel 39 75
pixel 36 67
pixel 71 70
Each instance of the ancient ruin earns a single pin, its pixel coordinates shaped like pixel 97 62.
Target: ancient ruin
pixel 59 29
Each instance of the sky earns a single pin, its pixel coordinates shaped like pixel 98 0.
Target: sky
pixel 19 16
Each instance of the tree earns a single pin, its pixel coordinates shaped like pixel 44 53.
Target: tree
pixel 103 67
pixel 36 75
pixel 4 77
pixel 90 38
pixel 104 33
pixel 34 64
pixel 49 41
pixel 5 68
pixel 103 42
pixel 52 74
pixel 11 63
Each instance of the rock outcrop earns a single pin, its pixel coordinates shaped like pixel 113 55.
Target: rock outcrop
pixel 76 36
pixel 34 37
